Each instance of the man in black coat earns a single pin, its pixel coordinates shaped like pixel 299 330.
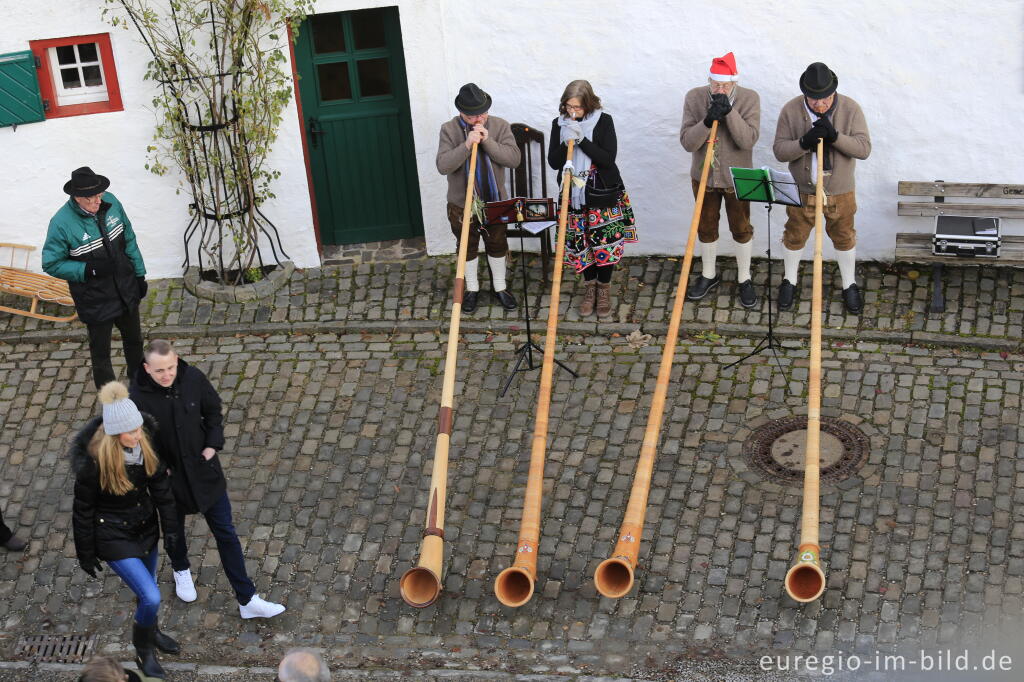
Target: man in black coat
pixel 190 432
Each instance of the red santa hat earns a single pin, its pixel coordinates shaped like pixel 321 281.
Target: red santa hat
pixel 724 68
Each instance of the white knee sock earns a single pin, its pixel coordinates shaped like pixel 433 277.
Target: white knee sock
pixel 472 280
pixel 792 261
pixel 743 252
pixel 497 266
pixel 847 266
pixel 708 250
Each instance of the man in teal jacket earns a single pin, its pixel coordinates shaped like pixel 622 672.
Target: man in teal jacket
pixel 91 244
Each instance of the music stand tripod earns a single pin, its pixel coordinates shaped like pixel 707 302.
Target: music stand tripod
pixel 757 185
pixel 525 351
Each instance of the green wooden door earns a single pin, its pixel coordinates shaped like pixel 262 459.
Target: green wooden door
pixel 355 102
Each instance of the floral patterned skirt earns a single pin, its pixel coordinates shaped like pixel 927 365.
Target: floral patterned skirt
pixel 596 236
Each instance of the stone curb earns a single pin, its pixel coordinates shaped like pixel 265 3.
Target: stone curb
pixel 514 327
pixel 233 672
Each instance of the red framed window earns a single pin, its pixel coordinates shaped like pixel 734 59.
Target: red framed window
pixel 77 75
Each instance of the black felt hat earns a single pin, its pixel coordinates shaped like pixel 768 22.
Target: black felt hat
pixel 472 100
pixel 818 81
pixel 85 183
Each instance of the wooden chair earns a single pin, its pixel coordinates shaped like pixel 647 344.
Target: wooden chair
pixel 915 247
pixel 524 182
pixel 19 281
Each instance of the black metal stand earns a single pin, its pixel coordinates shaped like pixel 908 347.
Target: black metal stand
pixel 525 352
pixel 769 342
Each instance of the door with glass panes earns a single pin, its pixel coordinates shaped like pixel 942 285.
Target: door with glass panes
pixel 355 102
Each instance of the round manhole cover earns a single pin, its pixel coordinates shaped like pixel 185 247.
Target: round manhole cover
pixel 776 449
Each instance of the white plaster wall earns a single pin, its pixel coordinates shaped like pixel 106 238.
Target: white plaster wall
pixel 941 83
pixel 38 158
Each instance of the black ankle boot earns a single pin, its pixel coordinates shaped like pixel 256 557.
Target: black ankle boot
pixel 145 654
pixel 165 643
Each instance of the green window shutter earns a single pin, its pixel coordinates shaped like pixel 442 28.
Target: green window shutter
pixel 20 101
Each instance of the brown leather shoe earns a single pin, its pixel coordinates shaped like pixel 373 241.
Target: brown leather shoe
pixel 15 544
pixel 604 299
pixel 589 296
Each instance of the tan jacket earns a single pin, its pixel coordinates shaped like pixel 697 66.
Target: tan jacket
pixel 736 135
pixel 853 143
pixel 452 155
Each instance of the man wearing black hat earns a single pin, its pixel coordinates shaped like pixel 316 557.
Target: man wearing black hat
pixel 822 114
pixel 91 244
pixel 497 151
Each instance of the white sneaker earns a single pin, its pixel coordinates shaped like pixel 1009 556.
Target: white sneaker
pixel 259 608
pixel 183 585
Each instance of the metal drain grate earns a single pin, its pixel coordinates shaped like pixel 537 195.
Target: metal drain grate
pixel 55 648
pixel 776 449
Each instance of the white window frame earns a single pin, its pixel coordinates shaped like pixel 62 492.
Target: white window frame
pixel 84 93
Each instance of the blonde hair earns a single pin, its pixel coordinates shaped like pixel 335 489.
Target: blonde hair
pixel 102 669
pixel 585 91
pixel 109 455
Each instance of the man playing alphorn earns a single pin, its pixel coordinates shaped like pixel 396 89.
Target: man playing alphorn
pixel 738 111
pixel 822 113
pixel 497 151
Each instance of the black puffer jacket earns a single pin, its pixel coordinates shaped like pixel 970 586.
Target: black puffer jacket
pixel 189 414
pixel 109 526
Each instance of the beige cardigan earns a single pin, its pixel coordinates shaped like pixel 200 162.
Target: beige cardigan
pixel 452 155
pixel 853 143
pixel 737 134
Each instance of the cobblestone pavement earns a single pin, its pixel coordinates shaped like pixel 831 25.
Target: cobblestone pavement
pixel 329 441
pixel 331 390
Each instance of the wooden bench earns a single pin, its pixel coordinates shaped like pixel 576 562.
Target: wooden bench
pixel 19 281
pixel 916 247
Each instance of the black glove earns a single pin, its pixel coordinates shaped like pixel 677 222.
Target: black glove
pixel 90 565
pixel 810 139
pixel 718 109
pixel 170 542
pixel 143 286
pixel 828 131
pixel 97 268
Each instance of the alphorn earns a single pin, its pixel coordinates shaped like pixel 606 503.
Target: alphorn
pixel 421 584
pixel 614 576
pixel 805 581
pixel 514 585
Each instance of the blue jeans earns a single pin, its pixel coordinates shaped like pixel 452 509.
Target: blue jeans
pixel 218 518
pixel 140 576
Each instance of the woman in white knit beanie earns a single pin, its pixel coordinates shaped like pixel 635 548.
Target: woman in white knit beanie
pixel 121 488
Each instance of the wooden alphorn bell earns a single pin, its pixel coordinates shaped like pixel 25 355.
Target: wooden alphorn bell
pixel 421 584
pixel 805 580
pixel 614 576
pixel 514 585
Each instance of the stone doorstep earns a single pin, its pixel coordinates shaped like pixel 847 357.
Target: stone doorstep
pixel 375 252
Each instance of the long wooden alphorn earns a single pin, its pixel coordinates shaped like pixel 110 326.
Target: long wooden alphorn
pixel 805 580
pixel 421 584
pixel 614 576
pixel 514 585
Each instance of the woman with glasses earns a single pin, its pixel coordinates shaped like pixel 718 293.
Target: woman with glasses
pixel 121 487
pixel 600 219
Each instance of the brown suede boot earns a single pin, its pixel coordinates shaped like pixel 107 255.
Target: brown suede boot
pixel 587 302
pixel 604 299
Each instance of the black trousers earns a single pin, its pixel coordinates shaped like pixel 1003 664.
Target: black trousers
pixel 602 274
pixel 5 532
pixel 130 327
